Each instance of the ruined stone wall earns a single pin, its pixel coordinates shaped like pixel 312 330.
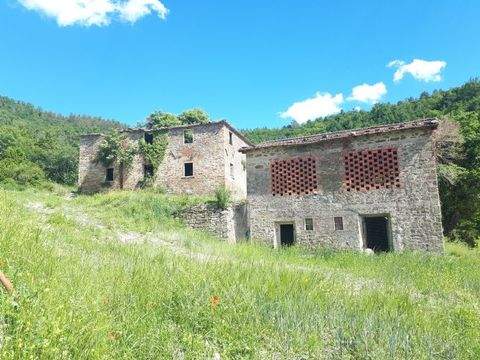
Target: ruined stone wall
pixel 237 183
pixel 207 155
pixel 211 155
pixel 413 208
pixel 229 224
pixel 92 174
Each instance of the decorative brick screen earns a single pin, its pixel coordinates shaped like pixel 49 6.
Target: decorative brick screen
pixel 371 169
pixel 294 176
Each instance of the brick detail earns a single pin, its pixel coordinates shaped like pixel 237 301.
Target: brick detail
pixel 371 169
pixel 296 176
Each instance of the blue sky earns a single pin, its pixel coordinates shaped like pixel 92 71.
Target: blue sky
pixel 256 63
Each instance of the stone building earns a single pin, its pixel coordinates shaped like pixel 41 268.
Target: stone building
pixel 369 188
pixel 198 160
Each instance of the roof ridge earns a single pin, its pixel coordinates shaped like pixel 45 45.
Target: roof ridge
pixel 309 139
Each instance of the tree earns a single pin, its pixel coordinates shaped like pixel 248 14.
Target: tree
pixel 159 119
pixel 194 116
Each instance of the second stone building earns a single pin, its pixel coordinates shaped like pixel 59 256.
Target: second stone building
pixel 373 188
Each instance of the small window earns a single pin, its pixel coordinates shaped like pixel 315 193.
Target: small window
pixel 109 174
pixel 148 137
pixel 188 169
pixel 232 171
pixel 148 171
pixel 338 222
pixel 309 224
pixel 188 136
pixel 230 138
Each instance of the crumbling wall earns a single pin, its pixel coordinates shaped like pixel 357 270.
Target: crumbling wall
pixel 91 172
pixel 210 152
pixel 229 224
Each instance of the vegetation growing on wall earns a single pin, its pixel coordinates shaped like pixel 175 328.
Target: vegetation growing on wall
pixel 223 197
pixel 159 119
pixel 115 148
pixel 154 153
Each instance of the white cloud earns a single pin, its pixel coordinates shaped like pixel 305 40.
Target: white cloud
pixel 322 104
pixel 95 12
pixel 368 93
pixel 135 9
pixel 420 69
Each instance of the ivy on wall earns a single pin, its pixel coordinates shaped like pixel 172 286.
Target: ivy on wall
pixel 154 152
pixel 115 148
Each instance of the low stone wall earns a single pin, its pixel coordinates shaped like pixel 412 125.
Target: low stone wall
pixel 230 224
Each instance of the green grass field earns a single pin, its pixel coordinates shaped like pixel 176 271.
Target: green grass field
pixel 117 277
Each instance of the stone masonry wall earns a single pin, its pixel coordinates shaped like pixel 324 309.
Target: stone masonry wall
pixel 413 209
pixel 207 155
pixel 229 224
pixel 236 181
pixel 210 153
pixel 92 174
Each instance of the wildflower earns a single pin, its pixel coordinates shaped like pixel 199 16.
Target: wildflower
pixel 214 301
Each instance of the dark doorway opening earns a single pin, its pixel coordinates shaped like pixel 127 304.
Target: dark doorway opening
pixel 148 171
pixel 377 233
pixel 287 234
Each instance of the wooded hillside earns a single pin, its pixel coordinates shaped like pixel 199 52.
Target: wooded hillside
pixel 37 145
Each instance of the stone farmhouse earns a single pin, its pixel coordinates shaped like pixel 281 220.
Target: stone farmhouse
pixel 373 188
pixel 370 188
pixel 198 160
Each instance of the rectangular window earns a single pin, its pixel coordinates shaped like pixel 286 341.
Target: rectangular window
pixel 188 169
pixel 148 137
pixel 230 138
pixel 232 171
pixel 147 171
pixel 188 136
pixel 338 220
pixel 109 174
pixel 309 224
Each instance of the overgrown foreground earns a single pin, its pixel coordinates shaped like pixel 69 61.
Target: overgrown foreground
pixel 115 276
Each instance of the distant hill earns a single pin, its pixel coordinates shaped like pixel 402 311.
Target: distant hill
pixel 41 143
pixel 440 103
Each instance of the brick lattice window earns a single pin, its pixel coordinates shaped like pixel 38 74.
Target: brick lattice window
pixel 371 169
pixel 294 176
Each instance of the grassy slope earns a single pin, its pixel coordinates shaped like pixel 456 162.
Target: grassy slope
pixel 82 293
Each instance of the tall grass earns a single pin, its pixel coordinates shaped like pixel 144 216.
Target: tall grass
pixel 82 294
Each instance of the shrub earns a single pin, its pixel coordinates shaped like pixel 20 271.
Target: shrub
pixel 223 197
pixel 23 173
pixel 194 116
pixel 160 119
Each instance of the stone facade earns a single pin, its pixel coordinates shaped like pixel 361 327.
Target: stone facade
pixel 229 224
pixel 214 154
pixel 411 204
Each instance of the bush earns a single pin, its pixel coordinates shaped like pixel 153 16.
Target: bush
pixel 223 197
pixel 23 173
pixel 194 116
